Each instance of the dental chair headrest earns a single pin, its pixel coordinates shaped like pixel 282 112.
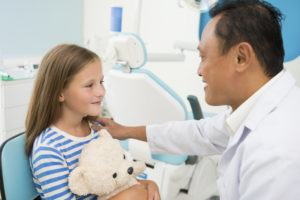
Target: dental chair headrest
pixel 129 50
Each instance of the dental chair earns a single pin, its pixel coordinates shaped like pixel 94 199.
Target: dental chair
pixel 128 87
pixel 135 96
pixel 15 174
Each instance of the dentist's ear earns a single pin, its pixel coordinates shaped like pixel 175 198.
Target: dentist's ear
pixel 244 54
pixel 239 59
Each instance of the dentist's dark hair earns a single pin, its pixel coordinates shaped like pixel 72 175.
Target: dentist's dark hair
pixel 255 22
pixel 56 71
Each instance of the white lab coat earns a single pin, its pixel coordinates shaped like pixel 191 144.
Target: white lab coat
pixel 261 161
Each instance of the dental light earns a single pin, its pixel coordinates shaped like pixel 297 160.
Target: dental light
pixel 127 50
pixel 198 5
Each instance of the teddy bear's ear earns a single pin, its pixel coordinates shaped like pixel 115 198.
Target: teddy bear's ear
pixel 77 182
pixel 104 133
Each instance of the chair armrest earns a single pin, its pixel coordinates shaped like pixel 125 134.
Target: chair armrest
pixel 195 106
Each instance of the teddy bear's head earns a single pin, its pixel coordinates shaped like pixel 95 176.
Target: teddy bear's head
pixel 103 167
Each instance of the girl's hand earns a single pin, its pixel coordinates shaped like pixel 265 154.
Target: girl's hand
pixel 138 192
pixel 152 188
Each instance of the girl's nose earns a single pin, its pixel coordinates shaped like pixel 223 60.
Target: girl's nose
pixel 100 90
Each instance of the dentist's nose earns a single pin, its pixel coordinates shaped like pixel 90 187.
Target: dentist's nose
pixel 200 70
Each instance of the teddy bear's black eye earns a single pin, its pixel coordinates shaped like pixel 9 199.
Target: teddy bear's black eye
pixel 124 157
pixel 114 175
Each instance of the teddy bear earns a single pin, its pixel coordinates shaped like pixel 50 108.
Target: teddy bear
pixel 104 168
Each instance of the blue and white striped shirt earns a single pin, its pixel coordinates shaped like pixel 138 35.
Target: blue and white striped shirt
pixel 55 154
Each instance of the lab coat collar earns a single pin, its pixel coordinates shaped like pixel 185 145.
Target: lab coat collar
pixel 270 99
pixel 236 118
pixel 266 103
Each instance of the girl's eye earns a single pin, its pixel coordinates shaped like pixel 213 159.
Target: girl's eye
pixel 89 85
pixel 124 157
pixel 101 82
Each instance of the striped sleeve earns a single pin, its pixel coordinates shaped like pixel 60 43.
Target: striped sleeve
pixel 50 173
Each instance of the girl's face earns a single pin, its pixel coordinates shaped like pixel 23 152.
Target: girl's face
pixel 84 94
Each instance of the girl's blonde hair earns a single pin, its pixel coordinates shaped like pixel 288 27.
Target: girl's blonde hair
pixel 57 69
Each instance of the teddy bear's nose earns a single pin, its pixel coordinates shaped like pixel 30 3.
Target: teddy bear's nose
pixel 130 170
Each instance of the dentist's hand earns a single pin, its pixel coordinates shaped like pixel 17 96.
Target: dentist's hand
pixel 116 130
pixel 119 131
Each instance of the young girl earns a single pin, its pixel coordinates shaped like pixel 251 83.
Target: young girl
pixel 67 96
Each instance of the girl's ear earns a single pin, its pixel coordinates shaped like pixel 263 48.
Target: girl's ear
pixel 61 97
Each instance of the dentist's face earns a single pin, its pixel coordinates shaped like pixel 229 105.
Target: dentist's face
pixel 215 68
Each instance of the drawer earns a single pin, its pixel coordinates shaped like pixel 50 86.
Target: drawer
pixel 14 118
pixel 17 93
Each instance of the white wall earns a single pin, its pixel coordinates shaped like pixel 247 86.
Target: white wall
pixel 162 23
pixel 30 28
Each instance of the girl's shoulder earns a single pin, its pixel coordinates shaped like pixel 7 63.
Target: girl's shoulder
pixel 55 138
pixel 49 136
pixel 47 141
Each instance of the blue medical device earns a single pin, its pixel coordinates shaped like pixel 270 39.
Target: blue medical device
pixel 116 19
